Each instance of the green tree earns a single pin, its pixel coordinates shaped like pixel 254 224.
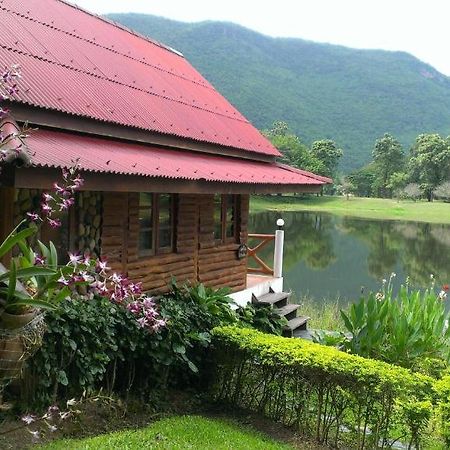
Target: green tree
pixel 294 151
pixel 363 180
pixel 388 159
pixel 328 154
pixel 429 164
pixel 397 182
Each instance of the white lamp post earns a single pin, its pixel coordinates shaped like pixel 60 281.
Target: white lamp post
pixel 278 253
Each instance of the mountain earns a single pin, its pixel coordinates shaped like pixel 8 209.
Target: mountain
pixel 322 91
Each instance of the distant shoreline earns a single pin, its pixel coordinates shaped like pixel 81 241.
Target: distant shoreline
pixel 370 208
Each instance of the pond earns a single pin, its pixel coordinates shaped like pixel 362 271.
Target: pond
pixel 330 257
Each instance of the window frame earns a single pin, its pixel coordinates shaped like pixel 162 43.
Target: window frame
pixel 155 230
pixel 224 200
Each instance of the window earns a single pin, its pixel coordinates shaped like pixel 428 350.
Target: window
pixel 156 223
pixel 225 217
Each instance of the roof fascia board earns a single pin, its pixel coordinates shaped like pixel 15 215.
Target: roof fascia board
pixel 43 178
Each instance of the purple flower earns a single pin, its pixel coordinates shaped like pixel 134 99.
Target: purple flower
pixel 46 208
pixel 101 266
pixel 134 307
pixel 39 260
pixel 142 322
pixel 33 217
pixel 54 223
pixel 74 258
pixel 59 190
pixel 63 281
pixel 66 203
pixel 47 197
pixel 148 302
pixel 77 183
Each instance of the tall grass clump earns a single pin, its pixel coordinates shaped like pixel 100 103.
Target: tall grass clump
pixel 409 329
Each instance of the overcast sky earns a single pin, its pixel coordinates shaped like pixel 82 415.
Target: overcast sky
pixel 420 27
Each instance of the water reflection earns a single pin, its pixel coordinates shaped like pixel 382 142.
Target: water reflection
pixel 329 256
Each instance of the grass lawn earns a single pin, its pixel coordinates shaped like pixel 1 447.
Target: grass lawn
pixel 371 208
pixel 181 432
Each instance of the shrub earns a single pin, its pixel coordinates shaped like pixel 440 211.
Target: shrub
pixel 262 317
pixel 319 389
pixel 443 393
pixel 94 344
pixel 443 191
pixel 89 345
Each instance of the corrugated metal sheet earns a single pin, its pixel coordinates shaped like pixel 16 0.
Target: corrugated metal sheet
pixel 59 149
pixel 75 62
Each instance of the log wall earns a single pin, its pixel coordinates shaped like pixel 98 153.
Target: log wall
pixel 196 255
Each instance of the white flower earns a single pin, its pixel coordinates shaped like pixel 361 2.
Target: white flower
pixel 29 418
pixel 36 435
pixel 64 415
pixel 442 295
pixel 71 402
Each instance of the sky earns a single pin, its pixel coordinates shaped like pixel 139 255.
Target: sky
pixel 419 27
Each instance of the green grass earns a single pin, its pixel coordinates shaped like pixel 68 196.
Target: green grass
pixel 185 432
pixel 371 208
pixel 324 315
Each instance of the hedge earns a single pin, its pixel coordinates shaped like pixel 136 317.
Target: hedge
pixel 341 399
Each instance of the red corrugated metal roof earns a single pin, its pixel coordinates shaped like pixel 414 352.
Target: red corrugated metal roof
pixel 78 63
pixel 59 149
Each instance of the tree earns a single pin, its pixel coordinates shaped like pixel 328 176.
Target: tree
pixel 328 154
pixel 294 151
pixel 363 180
pixel 429 164
pixel 411 191
pixel 388 158
pixel 397 182
pixel 443 191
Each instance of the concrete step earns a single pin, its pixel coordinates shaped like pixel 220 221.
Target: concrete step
pixel 289 311
pixel 296 324
pixel 277 299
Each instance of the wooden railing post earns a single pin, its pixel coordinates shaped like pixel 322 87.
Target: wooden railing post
pixel 278 253
pixel 263 267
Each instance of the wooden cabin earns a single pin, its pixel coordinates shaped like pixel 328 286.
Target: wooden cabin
pixel 169 164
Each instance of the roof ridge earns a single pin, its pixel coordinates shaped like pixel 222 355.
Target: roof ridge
pixel 123 27
pixel 145 63
pixel 103 77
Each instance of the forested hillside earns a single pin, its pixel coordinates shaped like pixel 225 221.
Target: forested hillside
pixel 322 91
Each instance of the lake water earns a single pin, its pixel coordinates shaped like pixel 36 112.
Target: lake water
pixel 331 257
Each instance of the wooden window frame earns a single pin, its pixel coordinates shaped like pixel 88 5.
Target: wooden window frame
pixel 156 250
pixel 224 239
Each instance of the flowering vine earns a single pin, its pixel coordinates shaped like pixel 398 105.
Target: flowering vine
pixel 11 139
pixel 61 199
pixel 97 279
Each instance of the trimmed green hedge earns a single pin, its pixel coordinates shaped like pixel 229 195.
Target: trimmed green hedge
pixel 339 398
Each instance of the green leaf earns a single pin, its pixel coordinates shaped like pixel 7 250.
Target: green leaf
pixel 179 348
pixel 11 282
pixel 29 272
pixel 61 378
pixel 14 238
pixel 192 366
pixel 31 302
